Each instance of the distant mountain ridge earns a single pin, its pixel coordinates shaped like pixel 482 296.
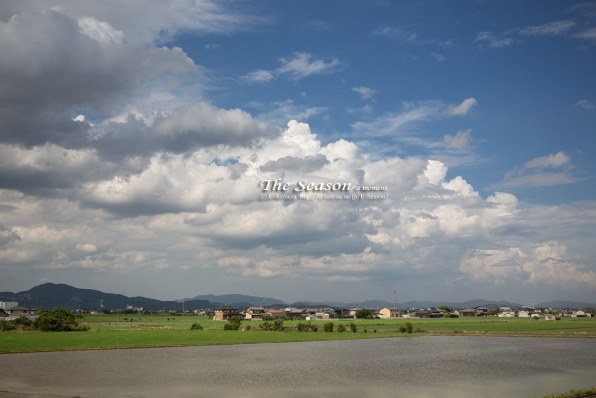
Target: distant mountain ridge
pixel 51 295
pixel 236 299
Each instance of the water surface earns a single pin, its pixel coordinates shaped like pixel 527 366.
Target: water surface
pixel 394 367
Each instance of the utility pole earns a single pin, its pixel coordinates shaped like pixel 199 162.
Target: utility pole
pixel 100 309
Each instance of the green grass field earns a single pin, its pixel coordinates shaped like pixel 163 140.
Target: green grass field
pixel 118 331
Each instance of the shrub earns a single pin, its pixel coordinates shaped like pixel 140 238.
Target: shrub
pixel 278 325
pixel 57 320
pixel 22 321
pixel 353 327
pixel 303 327
pixel 196 326
pixel 266 326
pixel 233 323
pixel 402 329
pixel 341 328
pixel 364 313
pixel 6 326
pixel 409 327
pixel 328 327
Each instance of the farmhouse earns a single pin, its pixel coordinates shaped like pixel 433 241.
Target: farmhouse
pixel 389 312
pixel 225 313
pixel 466 312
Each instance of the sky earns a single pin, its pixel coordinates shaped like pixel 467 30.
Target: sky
pixel 136 139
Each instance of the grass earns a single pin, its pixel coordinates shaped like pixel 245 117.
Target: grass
pixel 118 331
pixel 575 394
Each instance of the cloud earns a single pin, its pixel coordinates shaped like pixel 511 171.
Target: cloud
pixel 458 141
pixel 489 39
pixel 391 123
pixel 584 104
pixel 536 173
pixel 278 113
pixel 365 92
pixel 550 29
pixel 464 107
pixel 56 68
pixel 589 34
pixel 146 21
pixel 299 66
pixel 554 160
pixel 545 264
pixel 259 76
pixel 401 36
pixel 199 210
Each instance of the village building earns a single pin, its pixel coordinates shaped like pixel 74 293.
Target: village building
pixel 389 312
pixel 225 313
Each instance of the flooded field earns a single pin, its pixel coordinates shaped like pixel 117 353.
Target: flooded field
pixel 397 367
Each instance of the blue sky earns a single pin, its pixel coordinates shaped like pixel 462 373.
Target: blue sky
pixel 134 137
pixel 530 74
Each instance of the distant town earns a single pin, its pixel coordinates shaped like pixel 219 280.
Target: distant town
pixel 86 301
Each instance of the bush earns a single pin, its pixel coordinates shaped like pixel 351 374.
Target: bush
pixel 196 326
pixel 409 327
pixel 307 326
pixel 353 327
pixel 57 320
pixel 402 329
pixel 328 327
pixel 303 327
pixel 364 313
pixel 7 326
pixel 341 328
pixel 278 325
pixel 233 323
pixel 266 326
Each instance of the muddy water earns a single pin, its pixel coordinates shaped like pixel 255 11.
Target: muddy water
pixel 402 367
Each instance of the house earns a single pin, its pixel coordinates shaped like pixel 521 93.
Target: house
pixel 275 313
pixel 578 314
pixel 17 311
pixel 225 313
pixel 550 317
pixel 523 314
pixel 506 313
pixel 389 312
pixel 481 311
pixel 466 312
pixel 254 313
pixel 4 305
pixel 295 313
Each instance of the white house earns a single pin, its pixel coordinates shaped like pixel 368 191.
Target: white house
pixel 5 305
pixel 389 312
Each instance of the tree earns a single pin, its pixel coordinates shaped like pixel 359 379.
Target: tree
pixel 364 313
pixel 196 326
pixel 278 325
pixel 57 320
pixel 233 323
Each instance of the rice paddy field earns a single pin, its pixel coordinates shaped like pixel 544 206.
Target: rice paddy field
pixel 136 331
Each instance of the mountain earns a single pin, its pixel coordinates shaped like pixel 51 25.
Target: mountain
pixel 565 304
pixel 240 300
pixel 51 295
